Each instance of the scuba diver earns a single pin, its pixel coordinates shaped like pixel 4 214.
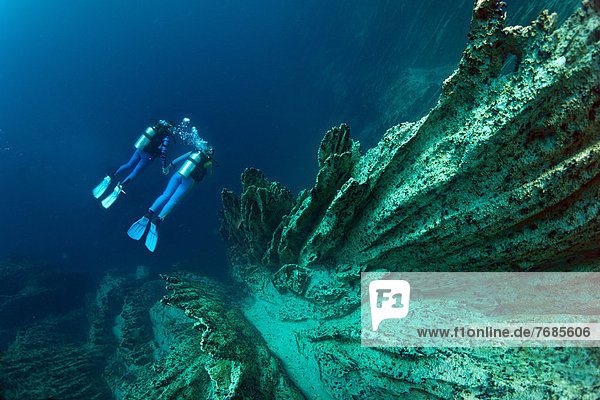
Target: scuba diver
pixel 152 143
pixel 192 170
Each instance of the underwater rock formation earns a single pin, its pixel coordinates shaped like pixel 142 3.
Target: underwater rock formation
pixel 47 360
pixel 323 354
pixel 44 320
pixel 128 342
pixel 501 175
pixel 31 292
pixel 192 344
pixel 238 362
pixel 248 233
pixel 411 47
pixel 156 351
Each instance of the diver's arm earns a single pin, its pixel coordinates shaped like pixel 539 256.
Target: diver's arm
pixel 179 159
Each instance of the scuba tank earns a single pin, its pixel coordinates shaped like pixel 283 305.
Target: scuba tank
pixel 150 134
pixel 190 164
pixel 193 161
pixel 146 138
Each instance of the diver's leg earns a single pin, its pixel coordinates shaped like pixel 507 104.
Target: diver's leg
pixel 182 189
pixel 164 197
pixel 143 159
pixel 135 158
pixel 143 162
pixel 112 197
pixel 182 185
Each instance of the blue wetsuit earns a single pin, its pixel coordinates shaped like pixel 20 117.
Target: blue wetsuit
pixel 138 161
pixel 177 187
pixel 141 159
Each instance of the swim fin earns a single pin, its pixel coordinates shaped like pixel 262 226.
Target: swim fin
pixel 152 237
pixel 137 230
pixel 111 198
pixel 102 186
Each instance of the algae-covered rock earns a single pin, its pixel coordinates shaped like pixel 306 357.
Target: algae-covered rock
pixel 31 292
pixel 239 363
pixel 249 222
pixel 51 359
pixel 501 175
pixel 122 344
pixel 175 368
pixel 337 155
pixel 44 335
pixel 46 349
pixel 292 277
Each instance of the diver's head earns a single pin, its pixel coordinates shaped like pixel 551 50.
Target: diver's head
pixel 200 144
pixel 164 126
pixel 209 151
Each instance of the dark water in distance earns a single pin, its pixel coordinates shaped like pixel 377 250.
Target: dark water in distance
pixel 262 81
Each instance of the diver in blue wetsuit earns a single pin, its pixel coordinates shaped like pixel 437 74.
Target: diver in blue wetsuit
pixel 193 170
pixel 153 143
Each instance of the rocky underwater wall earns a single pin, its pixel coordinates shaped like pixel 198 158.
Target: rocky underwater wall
pixel 396 55
pixel 498 176
pixel 501 175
